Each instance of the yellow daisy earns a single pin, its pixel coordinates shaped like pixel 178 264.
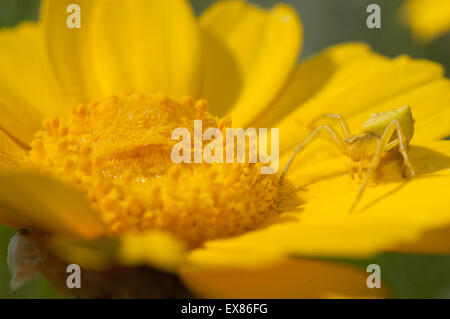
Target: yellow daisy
pixel 427 19
pixel 87 176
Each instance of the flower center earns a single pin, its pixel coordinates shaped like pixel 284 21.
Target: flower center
pixel 117 153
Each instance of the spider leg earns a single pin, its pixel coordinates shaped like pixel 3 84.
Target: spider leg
pixel 360 168
pixel 334 117
pixel 404 171
pixel 355 168
pixel 351 168
pixel 390 146
pixel 383 144
pixel 403 148
pixel 336 137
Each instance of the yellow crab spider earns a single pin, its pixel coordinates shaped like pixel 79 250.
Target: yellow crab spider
pixel 382 132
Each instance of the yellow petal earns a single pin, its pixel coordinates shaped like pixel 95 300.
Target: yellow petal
pixel 433 98
pixel 288 278
pixel 68 49
pixel 428 19
pixel 392 213
pixel 313 75
pixel 97 254
pixel 10 152
pixel 222 81
pixel 146 46
pixel 265 45
pixel 436 241
pixel 152 248
pixel 37 202
pixel 28 92
pixel 376 84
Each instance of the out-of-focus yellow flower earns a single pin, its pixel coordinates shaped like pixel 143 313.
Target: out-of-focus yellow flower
pixel 96 185
pixel 428 19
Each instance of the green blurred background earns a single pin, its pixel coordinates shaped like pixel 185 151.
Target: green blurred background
pixel 326 22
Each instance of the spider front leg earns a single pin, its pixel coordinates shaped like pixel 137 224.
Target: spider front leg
pixel 334 117
pixel 383 145
pixel 337 139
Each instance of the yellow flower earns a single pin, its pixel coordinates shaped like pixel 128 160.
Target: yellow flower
pixel 95 185
pixel 428 19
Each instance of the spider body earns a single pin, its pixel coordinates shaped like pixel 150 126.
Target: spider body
pixel 382 132
pixel 378 122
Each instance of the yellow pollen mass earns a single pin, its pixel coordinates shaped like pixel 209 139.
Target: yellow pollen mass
pixel 117 153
